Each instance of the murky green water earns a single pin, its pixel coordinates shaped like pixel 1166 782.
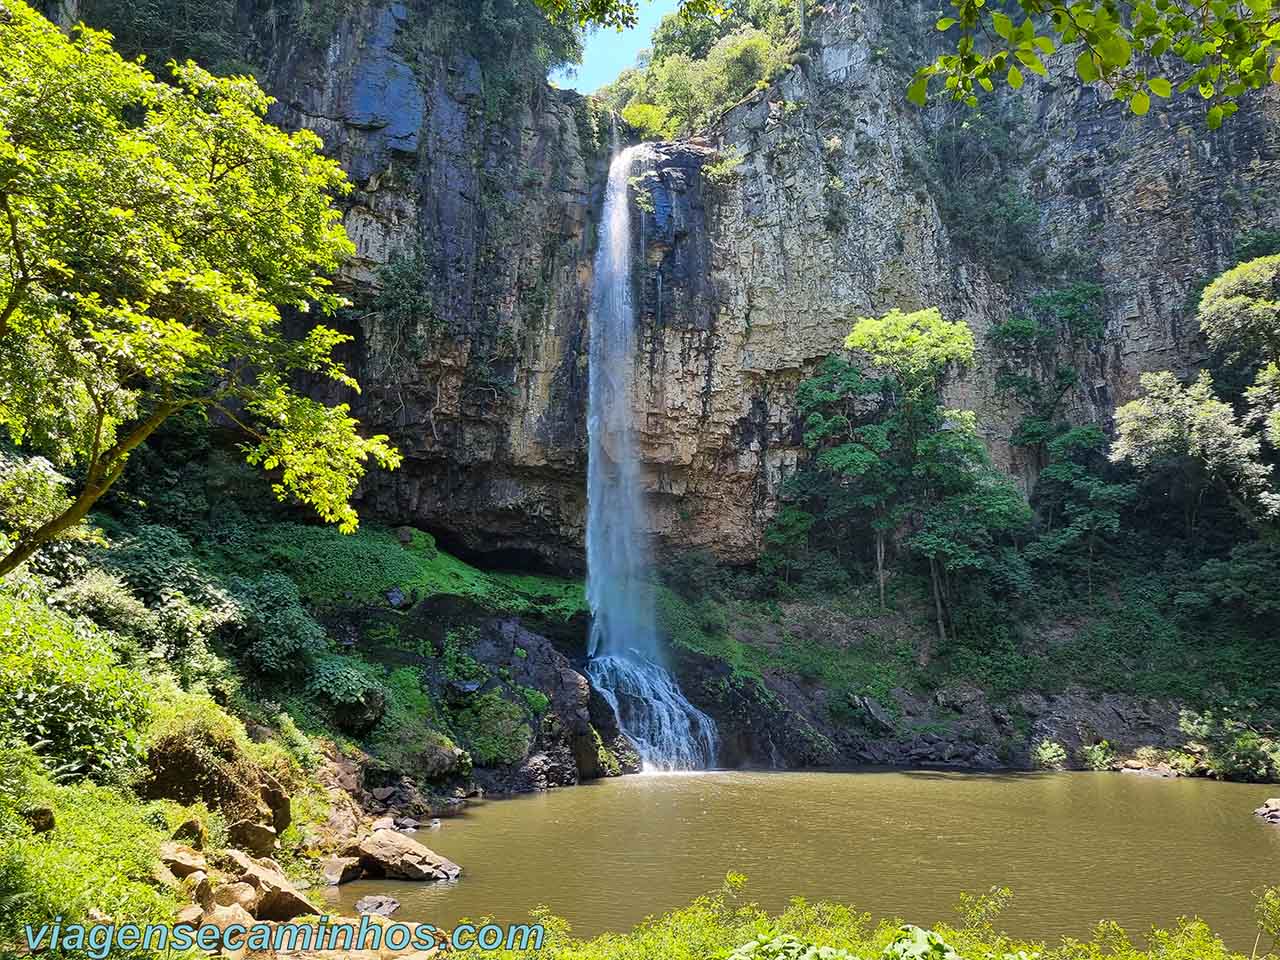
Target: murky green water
pixel 1075 847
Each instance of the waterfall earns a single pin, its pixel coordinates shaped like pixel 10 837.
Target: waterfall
pixel 668 731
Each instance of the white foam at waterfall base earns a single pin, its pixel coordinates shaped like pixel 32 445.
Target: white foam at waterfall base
pixel 669 733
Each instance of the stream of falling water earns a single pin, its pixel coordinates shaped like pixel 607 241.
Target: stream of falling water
pixel 668 731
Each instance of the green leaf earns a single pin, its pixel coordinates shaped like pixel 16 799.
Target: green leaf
pixel 1003 25
pixel 918 91
pixel 946 23
pixel 1046 45
pixel 1160 86
pixel 1086 69
pixel 1275 71
pixel 1015 78
pixel 1033 63
pixel 1140 104
pixel 1214 118
pixel 1115 50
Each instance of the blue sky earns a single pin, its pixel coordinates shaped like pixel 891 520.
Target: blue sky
pixel 606 53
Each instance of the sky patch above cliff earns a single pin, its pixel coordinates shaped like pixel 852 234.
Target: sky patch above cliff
pixel 606 53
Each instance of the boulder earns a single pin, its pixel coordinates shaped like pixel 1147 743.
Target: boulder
pixel 203 892
pixel 181 860
pixel 338 870
pixel 278 898
pixel 383 794
pixel 384 823
pixel 202 763
pixel 192 832
pixel 386 853
pixel 41 819
pixel 258 838
pixel 224 917
pixel 1270 810
pixel 277 800
pixel 240 894
pixel 378 904
pixel 189 915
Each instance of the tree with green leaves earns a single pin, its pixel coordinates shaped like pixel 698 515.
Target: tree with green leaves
pixel 858 476
pixel 1200 442
pixel 917 351
pixel 964 511
pixel 1240 310
pixel 151 237
pixel 1079 506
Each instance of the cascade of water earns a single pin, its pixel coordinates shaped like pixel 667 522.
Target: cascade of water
pixel 667 730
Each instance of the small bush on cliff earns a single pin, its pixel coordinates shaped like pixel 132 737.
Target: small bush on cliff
pixel 1049 755
pixel 1098 756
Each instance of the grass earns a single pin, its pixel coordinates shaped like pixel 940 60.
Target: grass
pixel 336 570
pixel 102 855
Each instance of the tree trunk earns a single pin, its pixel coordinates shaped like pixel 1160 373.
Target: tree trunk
pixel 925 651
pixel 102 474
pixel 880 565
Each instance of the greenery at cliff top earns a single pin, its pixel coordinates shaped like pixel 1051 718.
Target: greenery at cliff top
pixel 1130 51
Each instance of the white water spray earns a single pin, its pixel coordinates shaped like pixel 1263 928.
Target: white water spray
pixel 668 731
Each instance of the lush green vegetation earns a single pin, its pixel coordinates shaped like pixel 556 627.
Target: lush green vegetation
pixel 699 67
pixel 154 233
pixel 1133 51
pixel 726 924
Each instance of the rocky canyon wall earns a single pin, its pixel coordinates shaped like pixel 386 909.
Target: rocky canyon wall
pixel 477 193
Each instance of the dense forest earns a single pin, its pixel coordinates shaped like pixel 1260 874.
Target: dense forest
pixel 231 646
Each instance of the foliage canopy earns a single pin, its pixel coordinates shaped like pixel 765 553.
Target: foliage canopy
pixel 152 236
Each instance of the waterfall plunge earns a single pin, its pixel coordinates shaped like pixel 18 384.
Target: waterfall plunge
pixel 668 731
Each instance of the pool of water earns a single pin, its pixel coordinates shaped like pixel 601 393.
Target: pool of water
pixel 1075 848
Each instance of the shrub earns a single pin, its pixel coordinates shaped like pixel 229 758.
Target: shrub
pixel 537 701
pixel 915 943
pixel 276 633
pixel 1098 756
pixel 345 686
pixel 156 560
pixel 107 600
pixel 1233 748
pixel 61 690
pixel 494 730
pixel 1049 755
pixel 785 947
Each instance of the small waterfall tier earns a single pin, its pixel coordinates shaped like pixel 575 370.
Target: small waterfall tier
pixel 668 731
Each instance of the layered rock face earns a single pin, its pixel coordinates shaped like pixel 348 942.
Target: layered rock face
pixel 476 188
pixel 831 216
pixel 474 211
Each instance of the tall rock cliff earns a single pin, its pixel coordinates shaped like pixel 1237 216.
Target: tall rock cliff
pixel 818 200
pixel 843 205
